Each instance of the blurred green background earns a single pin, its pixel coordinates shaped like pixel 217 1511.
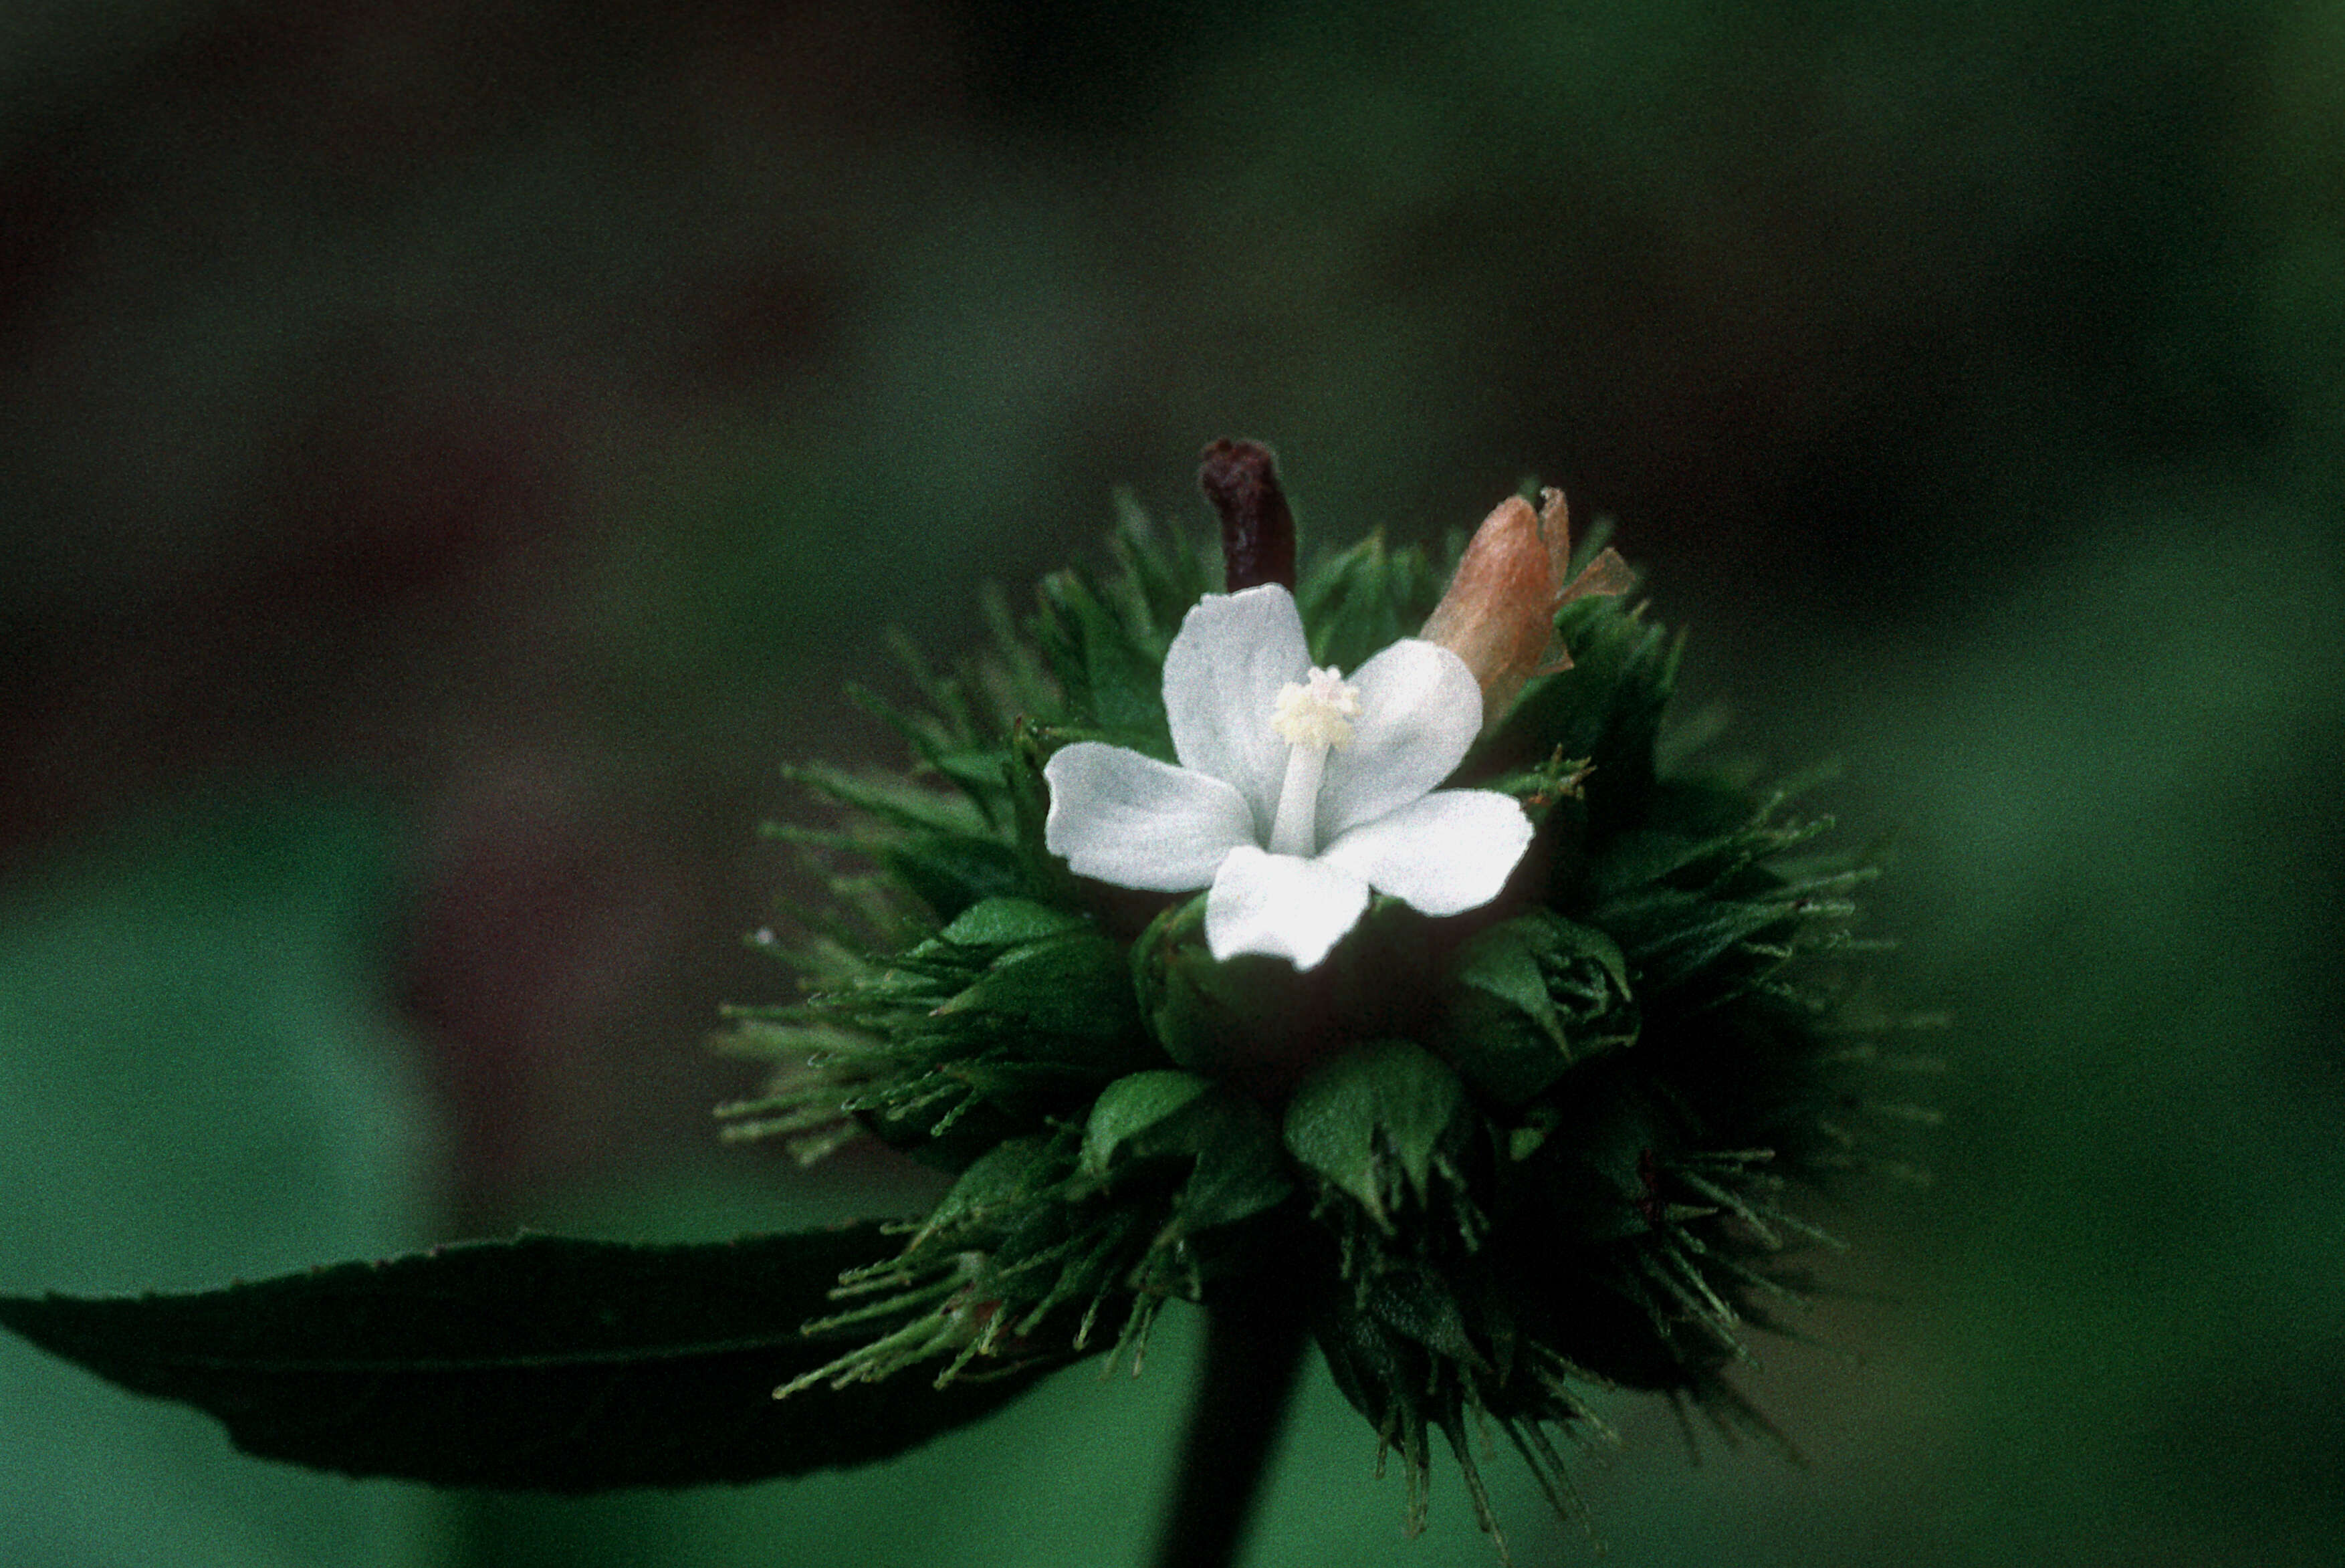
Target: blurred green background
pixel 454 451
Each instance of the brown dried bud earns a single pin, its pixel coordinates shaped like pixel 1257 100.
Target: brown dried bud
pixel 1498 615
pixel 1241 479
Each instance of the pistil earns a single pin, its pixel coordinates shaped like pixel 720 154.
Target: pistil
pixel 1295 829
pixel 1312 718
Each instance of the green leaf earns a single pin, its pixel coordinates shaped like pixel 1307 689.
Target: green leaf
pixel 1677 938
pixel 1416 1301
pixel 1163 1115
pixel 1163 575
pixel 1240 1171
pixel 894 800
pixel 1606 707
pixel 1226 1019
pixel 1076 986
pixel 1130 1108
pixel 1007 922
pixel 1362 601
pixel 1501 963
pixel 1533 996
pixel 1061 1004
pixel 950 872
pixel 1108 675
pixel 538 1364
pixel 999 1184
pixel 1389 1102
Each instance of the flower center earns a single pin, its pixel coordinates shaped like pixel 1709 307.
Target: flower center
pixel 1317 712
pixel 1314 715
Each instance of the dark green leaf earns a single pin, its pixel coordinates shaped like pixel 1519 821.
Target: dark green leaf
pixel 1075 985
pixel 1418 1302
pixel 1240 1171
pixel 537 1364
pixel 1222 1019
pixel 1162 1114
pixel 1535 995
pixel 1502 962
pixel 1389 1102
pixel 1058 1005
pixel 1674 938
pixel 1129 1106
pixel 1606 707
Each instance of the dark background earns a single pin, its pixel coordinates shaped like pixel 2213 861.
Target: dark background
pixel 450 454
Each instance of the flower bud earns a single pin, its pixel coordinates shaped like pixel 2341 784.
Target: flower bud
pixel 1498 615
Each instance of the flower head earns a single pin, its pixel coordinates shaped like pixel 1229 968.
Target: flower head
pixel 1298 791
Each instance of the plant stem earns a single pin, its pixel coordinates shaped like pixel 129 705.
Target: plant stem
pixel 1253 1350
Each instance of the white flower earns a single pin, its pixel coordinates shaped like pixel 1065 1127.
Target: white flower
pixel 1297 792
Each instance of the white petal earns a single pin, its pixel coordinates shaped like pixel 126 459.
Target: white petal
pixel 1222 679
pixel 1137 823
pixel 1420 708
pixel 1280 905
pixel 1449 852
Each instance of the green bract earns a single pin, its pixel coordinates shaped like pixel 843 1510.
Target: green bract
pixel 1544 1147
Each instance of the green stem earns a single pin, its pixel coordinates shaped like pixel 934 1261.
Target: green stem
pixel 1253 1351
